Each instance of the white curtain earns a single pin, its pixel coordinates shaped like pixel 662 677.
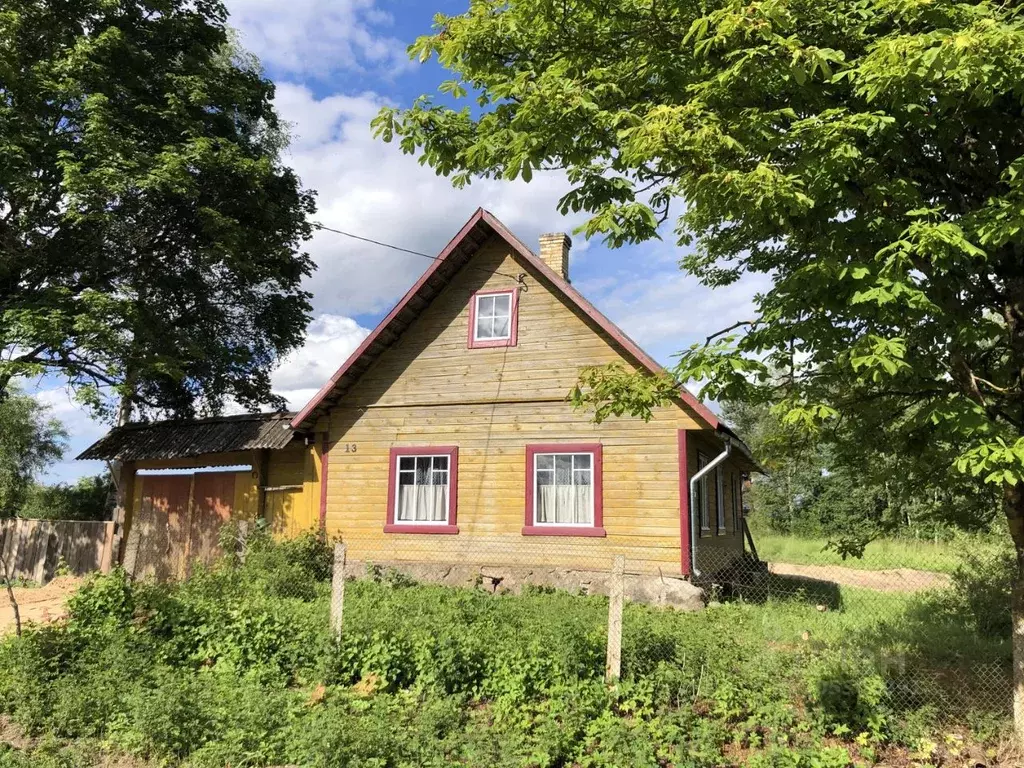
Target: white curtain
pixel 423 503
pixel 565 504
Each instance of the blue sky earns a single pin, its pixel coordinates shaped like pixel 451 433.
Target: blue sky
pixel 335 63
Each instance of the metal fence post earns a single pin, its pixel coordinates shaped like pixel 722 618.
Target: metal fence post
pixel 338 590
pixel 613 660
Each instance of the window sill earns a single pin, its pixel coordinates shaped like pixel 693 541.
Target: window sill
pixel 435 529
pixel 555 530
pixel 491 343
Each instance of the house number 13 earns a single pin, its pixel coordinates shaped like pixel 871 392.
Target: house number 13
pixel 350 447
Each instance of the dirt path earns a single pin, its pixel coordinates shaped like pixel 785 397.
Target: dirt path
pixel 893 580
pixel 38 604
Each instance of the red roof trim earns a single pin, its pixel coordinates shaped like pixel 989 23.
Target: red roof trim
pixel 549 274
pixel 325 390
pixel 685 522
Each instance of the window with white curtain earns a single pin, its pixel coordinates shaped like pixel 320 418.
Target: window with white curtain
pixel 720 499
pixel 737 500
pixel 493 313
pixel 563 489
pixel 702 495
pixel 423 485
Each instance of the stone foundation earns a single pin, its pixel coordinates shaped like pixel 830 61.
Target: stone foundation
pixel 662 591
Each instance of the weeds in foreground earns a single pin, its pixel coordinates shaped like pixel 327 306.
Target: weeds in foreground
pixel 236 667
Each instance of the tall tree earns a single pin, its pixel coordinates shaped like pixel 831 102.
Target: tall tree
pixel 867 154
pixel 30 440
pixel 149 233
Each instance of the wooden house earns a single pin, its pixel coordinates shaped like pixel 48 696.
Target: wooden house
pixel 446 437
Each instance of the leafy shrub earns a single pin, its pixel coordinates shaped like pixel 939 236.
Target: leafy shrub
pixel 85 500
pixel 982 585
pixel 168 720
pixel 400 729
pixel 233 667
pixel 291 568
pixel 392 577
pixel 250 720
pixel 102 602
pixel 28 667
pixel 94 695
pixel 47 754
pixel 847 694
pixel 450 663
pixel 383 656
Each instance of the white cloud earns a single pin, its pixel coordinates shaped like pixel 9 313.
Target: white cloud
pixel 371 189
pixel 82 432
pixel 318 37
pixel 668 310
pixel 330 339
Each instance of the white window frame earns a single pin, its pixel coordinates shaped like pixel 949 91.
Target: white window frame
pixel 593 500
pixel 720 500
pixel 703 503
pixel 510 295
pixel 398 485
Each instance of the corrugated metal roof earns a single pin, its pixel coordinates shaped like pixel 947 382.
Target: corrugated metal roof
pixel 178 439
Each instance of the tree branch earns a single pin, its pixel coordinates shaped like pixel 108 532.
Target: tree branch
pixel 732 327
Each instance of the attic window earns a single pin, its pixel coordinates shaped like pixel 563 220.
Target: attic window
pixel 493 319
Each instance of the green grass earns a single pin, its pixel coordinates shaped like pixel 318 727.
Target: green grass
pixel 941 557
pixel 238 667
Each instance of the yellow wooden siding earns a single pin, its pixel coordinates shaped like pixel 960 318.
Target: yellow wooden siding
pixel 640 485
pixel 293 498
pixel 429 389
pixel 430 363
pixel 289 510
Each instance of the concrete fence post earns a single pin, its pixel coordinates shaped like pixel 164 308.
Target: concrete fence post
pixel 613 660
pixel 243 540
pixel 338 590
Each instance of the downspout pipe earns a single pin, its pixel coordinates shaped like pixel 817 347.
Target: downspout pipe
pixel 694 512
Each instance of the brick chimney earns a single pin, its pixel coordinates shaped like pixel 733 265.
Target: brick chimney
pixel 554 251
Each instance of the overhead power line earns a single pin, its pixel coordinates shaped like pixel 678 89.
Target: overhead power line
pixel 375 242
pixel 318 225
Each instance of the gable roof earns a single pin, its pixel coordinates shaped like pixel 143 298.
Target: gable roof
pixel 179 439
pixel 481 225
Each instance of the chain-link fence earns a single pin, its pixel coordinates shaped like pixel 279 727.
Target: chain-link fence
pixel 905 642
pixel 925 623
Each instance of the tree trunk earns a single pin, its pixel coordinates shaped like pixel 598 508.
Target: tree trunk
pixel 124 416
pixel 10 591
pixel 1014 507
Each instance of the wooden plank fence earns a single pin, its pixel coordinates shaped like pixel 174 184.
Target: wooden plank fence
pixel 33 548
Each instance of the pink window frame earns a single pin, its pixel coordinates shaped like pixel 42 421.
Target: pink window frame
pixel 513 337
pixel 530 528
pixel 452 452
